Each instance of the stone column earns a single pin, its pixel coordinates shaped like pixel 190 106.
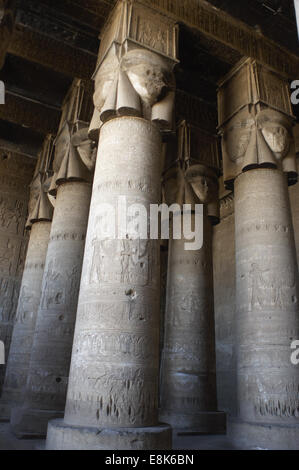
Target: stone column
pixel 259 158
pixel 112 400
pixel 188 376
pixel 16 172
pixel 39 222
pixel 52 344
pixel 225 300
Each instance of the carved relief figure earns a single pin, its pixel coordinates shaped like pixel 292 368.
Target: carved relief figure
pixel 267 288
pixel 24 312
pixel 10 217
pixel 186 309
pixel 7 255
pixel 132 265
pixel 9 294
pixel 53 295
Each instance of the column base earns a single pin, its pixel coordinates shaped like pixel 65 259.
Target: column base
pixel 31 423
pixel 62 436
pixel 213 422
pixel 253 436
pixel 5 412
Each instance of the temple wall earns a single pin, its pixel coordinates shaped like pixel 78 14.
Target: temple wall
pixel 16 172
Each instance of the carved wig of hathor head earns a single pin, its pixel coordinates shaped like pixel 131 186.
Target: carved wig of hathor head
pixel 263 140
pixel 197 184
pixel 140 84
pixel 75 157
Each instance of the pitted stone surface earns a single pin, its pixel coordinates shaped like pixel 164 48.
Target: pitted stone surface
pixel 64 437
pixel 114 373
pixel 267 299
pixel 188 376
pixel 16 173
pixel 225 298
pixel 52 344
pixel 22 339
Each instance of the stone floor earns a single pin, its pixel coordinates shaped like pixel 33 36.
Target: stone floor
pixel 9 442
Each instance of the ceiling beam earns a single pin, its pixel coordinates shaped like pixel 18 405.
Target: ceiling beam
pixel 30 114
pixel 235 35
pixel 56 55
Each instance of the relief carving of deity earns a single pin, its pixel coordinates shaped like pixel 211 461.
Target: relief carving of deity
pixel 57 291
pixel 271 288
pixel 7 253
pixel 186 309
pixel 10 215
pixel 24 312
pixel 131 261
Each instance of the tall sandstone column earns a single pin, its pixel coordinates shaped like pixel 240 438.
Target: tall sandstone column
pixel 259 159
pixel 39 224
pixel 188 375
pixel 112 400
pixel 52 344
pixel 16 173
pixel 225 300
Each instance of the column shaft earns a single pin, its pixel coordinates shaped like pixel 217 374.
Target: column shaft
pixel 267 306
pixel 114 372
pixel 15 176
pixel 189 398
pixel 22 339
pixel 52 344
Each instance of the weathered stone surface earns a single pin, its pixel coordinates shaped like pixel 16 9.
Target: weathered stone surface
pixel 256 437
pixel 52 344
pixel 16 172
pixel 118 276
pixel 114 373
pixel 267 301
pixel 259 161
pixel 188 364
pixel 255 118
pixel 64 437
pixel 22 339
pixel 224 299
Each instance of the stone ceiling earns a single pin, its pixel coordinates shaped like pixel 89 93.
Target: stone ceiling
pixel 55 41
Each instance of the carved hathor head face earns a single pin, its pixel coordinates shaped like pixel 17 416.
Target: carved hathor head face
pixel 203 182
pixel 86 148
pixel 104 79
pixel 148 73
pixel 276 130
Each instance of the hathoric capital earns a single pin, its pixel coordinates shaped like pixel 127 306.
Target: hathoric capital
pixel 192 170
pixel 134 75
pixel 75 153
pixel 39 206
pixel 255 121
